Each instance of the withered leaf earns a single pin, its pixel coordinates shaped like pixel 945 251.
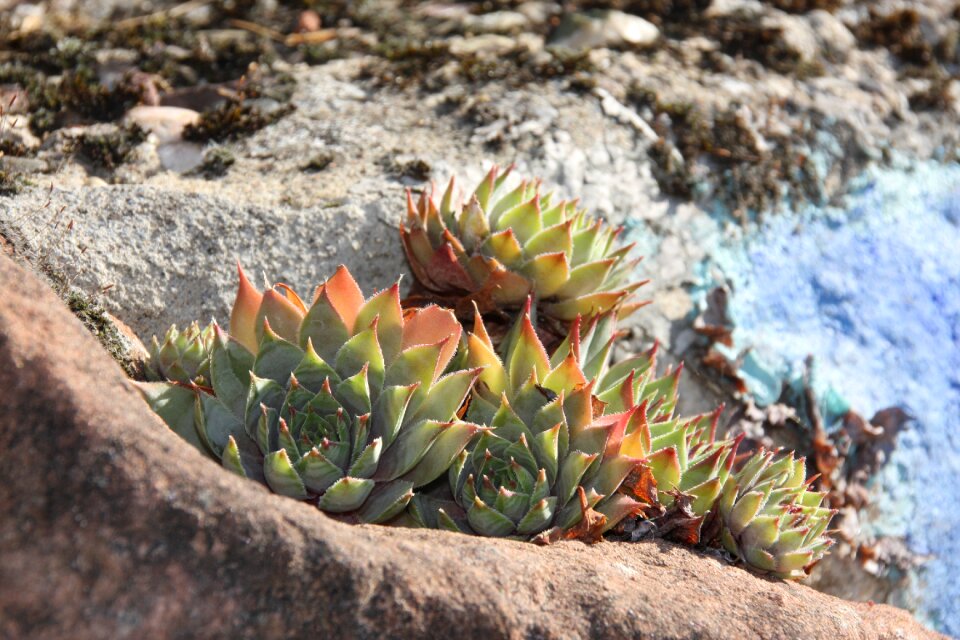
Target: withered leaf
pixel 679 523
pixel 588 530
pixel 641 485
pixel 721 364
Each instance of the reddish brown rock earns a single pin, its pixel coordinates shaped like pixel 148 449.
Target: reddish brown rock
pixel 114 528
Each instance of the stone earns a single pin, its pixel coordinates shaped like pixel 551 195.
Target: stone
pixel 798 36
pixel 180 156
pixel 539 12
pixel 497 22
pixel 488 43
pixel 15 133
pixel 598 29
pixel 167 123
pixel 114 527
pixel 834 37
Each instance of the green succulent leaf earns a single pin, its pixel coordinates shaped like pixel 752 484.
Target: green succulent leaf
pixel 446 448
pixel 346 494
pixel 386 501
pixel 175 404
pixel 488 521
pixel 282 477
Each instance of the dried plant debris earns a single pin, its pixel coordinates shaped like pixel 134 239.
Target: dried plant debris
pixel 899 31
pixel 733 154
pixel 232 120
pixel 10 183
pixel 433 65
pixel 110 146
pixel 845 455
pixel 805 6
pixel 657 11
pixel 216 162
pixel 938 96
pixel 924 51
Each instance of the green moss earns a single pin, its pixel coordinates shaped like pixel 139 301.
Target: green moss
pixel 232 120
pixel 741 35
pixel 75 99
pixel 805 6
pixel 10 183
pixel 216 162
pixel 936 97
pixel 109 150
pixel 659 12
pixel 899 31
pixel 95 319
pixel 703 154
pixel 418 170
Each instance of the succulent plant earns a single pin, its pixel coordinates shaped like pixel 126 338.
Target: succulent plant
pixel 769 517
pixel 497 247
pixel 552 459
pixel 183 356
pixel 684 456
pixel 349 406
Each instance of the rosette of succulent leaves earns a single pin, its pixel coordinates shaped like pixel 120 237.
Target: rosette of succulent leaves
pixel 345 402
pixel 771 519
pixel 576 444
pixel 499 245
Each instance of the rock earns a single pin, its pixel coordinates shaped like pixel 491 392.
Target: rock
pixel 180 156
pixel 25 166
pixel 129 236
pixel 539 12
pixel 114 527
pixel 953 90
pixel 797 36
pixel 27 17
pixel 489 43
pixel 597 29
pixel 199 17
pixel 167 123
pixel 15 133
pixel 497 22
pixel 14 100
pixel 834 37
pixel 113 64
pixel 308 20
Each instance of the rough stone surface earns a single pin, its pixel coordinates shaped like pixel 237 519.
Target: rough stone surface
pixel 113 527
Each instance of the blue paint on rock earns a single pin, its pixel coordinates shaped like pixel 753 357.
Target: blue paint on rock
pixel 872 291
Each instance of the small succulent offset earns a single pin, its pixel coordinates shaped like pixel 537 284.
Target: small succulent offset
pixel 384 415
pixel 183 356
pixel 346 401
pixel 769 517
pixel 497 247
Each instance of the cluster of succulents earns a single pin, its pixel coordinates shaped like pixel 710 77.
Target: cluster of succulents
pixel 384 414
